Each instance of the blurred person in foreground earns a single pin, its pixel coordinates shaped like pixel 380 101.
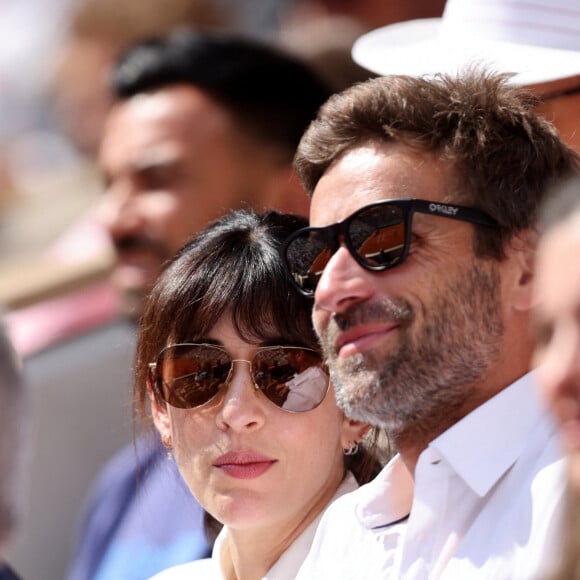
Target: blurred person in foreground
pixel 229 363
pixel 540 45
pixel 13 444
pixel 557 331
pixel 201 124
pixel 420 259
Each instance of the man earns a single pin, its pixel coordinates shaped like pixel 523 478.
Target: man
pixel 422 307
pixel 202 124
pixel 13 443
pixel 540 44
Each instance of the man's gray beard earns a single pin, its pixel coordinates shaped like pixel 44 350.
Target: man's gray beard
pixel 425 382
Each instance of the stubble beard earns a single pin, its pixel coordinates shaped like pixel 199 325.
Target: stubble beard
pixel 424 383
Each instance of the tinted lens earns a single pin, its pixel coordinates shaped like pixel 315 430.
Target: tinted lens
pixel 191 375
pixel 294 379
pixel 307 256
pixel 378 235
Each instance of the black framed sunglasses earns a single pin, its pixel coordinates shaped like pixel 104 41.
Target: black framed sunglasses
pixel 187 376
pixel 377 236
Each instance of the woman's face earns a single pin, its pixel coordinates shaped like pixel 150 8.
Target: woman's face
pixel 249 463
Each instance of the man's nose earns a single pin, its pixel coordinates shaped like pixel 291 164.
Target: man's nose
pixel 342 283
pixel 117 210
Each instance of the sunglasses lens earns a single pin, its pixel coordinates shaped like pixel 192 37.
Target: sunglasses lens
pixel 307 255
pixel 294 379
pixel 191 375
pixel 378 236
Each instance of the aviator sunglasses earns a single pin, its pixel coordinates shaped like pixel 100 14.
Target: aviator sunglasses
pixel 377 236
pixel 187 376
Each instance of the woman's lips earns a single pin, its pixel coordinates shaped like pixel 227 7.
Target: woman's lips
pixel 244 464
pixel 362 338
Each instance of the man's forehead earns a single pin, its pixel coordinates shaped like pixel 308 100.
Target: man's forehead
pixel 374 172
pixel 139 154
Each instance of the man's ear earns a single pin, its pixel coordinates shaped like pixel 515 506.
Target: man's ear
pixel 352 432
pixel 521 251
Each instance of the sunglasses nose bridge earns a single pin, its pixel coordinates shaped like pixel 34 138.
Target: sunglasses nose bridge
pixel 338 235
pixel 251 369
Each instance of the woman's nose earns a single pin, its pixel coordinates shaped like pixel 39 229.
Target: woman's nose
pixel 242 408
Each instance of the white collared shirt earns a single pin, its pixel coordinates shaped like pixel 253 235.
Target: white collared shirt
pixel 285 568
pixel 486 503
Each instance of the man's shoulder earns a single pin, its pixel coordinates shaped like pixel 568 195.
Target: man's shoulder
pixel 346 544
pixel 362 509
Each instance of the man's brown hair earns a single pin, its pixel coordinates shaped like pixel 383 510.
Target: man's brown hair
pixel 505 155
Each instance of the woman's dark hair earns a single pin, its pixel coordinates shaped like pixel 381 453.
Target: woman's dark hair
pixel 233 268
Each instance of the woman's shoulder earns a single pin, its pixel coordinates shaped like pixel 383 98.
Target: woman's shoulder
pixel 185 571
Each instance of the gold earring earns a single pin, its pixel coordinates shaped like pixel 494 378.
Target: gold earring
pixel 166 441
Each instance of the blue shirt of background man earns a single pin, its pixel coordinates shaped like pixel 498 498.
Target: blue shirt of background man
pixel 140 519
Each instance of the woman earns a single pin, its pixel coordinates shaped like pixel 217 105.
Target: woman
pixel 229 362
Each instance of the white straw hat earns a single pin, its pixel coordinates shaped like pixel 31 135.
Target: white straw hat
pixel 537 39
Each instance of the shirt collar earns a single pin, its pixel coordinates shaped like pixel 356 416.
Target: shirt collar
pixel 483 445
pixel 388 498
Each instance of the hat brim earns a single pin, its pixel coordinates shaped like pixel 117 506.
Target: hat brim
pixel 417 47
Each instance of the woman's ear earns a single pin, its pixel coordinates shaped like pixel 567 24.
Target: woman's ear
pixel 160 416
pixel 352 432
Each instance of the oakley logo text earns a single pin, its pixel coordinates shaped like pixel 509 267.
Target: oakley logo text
pixel 445 209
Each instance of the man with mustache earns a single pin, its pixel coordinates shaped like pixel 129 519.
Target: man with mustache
pixel 420 260
pixel 201 124
pixel 185 142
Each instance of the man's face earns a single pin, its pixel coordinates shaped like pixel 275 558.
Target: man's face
pixel 172 162
pixel 407 348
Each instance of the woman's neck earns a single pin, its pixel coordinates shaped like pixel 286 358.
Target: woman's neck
pixel 248 554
